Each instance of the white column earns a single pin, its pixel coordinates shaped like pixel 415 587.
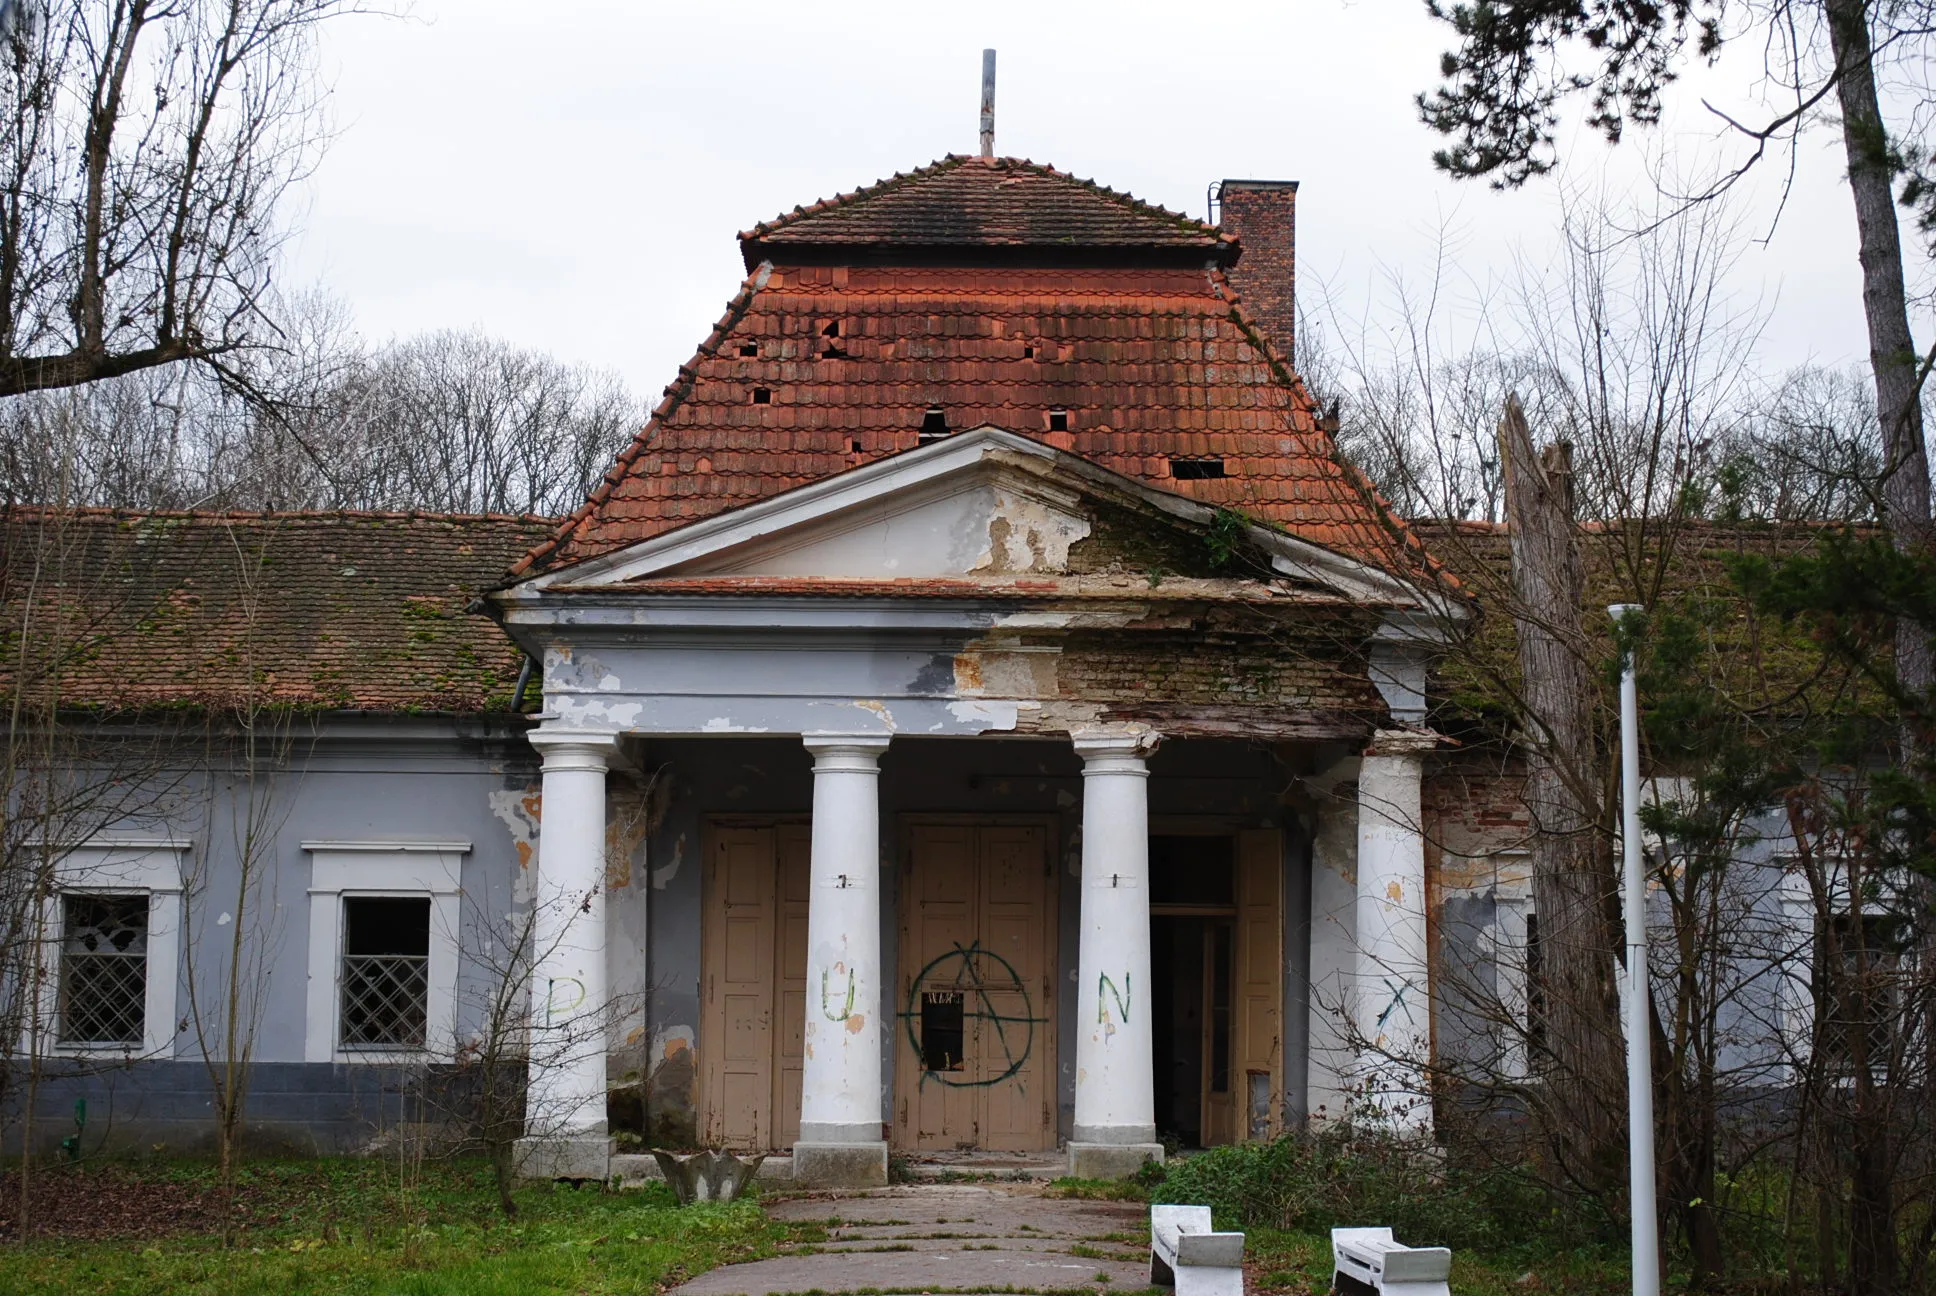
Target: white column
pixel 568 990
pixel 1115 1124
pixel 1392 1002
pixel 840 1139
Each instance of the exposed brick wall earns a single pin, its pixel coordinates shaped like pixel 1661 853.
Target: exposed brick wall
pixel 1263 216
pixel 1474 804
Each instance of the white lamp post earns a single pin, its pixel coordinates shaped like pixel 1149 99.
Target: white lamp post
pixel 1640 1063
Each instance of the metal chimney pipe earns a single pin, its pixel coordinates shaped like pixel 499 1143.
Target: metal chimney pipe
pixel 988 103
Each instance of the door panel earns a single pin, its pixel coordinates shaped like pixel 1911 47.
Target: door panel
pixel 738 1021
pixel 975 958
pixel 794 846
pixel 754 952
pixel 940 1112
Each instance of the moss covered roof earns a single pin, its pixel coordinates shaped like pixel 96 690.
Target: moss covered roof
pixel 120 611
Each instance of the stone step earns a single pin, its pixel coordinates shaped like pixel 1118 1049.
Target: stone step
pixel 1040 1166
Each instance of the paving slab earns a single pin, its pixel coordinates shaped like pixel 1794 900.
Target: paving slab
pixel 948 1238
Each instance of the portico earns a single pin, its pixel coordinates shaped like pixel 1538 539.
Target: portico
pixel 973 966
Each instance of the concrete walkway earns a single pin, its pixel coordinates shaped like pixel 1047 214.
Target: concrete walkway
pixel 949 1238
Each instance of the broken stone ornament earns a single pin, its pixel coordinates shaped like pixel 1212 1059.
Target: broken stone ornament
pixel 706 1176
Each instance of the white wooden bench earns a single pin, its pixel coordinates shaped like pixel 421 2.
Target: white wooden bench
pixel 1368 1262
pixel 1185 1253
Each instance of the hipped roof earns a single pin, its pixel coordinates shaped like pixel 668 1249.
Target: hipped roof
pixel 827 360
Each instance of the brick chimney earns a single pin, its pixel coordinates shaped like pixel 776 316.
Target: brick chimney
pixel 1263 216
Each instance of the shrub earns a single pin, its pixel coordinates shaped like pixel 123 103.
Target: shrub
pixel 1334 1177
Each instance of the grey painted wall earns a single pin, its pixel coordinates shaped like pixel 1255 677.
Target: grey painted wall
pixel 338 780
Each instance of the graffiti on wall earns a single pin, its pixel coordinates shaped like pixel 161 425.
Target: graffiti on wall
pixel 954 1004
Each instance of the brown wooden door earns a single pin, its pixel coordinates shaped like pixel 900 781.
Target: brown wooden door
pixel 753 952
pixel 1260 982
pixel 975 1057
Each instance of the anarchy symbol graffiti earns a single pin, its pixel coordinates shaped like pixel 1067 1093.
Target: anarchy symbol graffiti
pixel 976 974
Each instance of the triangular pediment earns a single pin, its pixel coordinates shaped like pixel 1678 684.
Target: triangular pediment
pixel 983 503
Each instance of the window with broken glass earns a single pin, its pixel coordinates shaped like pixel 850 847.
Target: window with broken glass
pixel 386 972
pixel 103 969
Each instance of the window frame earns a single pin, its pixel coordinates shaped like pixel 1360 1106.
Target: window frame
pixel 1505 943
pixel 1796 989
pixel 387 869
pixel 348 901
pixel 115 865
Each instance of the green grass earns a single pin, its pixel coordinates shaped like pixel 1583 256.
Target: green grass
pixel 1097 1189
pixel 361 1227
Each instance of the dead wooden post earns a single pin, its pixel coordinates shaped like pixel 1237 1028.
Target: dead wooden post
pixel 1573 883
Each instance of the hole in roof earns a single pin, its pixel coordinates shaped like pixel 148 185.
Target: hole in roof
pixel 1028 352
pixel 832 329
pixel 1058 420
pixel 749 348
pixel 1196 469
pixel 855 445
pixel 935 422
pixel 833 353
pixel 761 396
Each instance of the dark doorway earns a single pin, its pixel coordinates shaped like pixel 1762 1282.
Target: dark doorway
pixel 1192 908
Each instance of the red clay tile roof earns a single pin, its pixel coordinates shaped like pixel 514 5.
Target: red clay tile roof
pixel 815 369
pixel 344 611
pixel 962 201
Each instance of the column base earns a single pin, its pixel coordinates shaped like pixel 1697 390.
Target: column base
pixel 840 1165
pixel 1111 1160
pixel 565 1156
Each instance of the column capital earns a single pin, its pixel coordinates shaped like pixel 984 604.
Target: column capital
pixel 1402 743
pixel 1116 751
pixel 852 753
pixel 574 749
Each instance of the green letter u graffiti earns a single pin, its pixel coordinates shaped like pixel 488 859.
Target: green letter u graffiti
pixel 845 1012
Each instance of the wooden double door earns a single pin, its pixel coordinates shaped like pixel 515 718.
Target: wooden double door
pixel 973 1044
pixel 974 1052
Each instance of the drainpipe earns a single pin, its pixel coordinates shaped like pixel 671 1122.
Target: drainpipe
pixel 524 682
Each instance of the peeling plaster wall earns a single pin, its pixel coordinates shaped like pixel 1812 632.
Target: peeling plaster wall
pixel 991 527
pixel 1478 829
pixel 1332 944
pixel 1202 670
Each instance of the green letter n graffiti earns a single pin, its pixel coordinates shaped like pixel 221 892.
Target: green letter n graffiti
pixel 1106 987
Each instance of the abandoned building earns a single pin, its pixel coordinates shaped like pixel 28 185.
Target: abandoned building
pixel 980 710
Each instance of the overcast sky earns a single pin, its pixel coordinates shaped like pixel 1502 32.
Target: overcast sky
pixel 571 175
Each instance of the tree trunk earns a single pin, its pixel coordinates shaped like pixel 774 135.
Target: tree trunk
pixel 1573 884
pixel 1892 348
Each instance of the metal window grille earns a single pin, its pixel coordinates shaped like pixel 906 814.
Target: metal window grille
pixel 1862 1011
pixel 103 969
pixel 386 972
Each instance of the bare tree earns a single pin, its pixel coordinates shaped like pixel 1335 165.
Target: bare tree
pixel 145 149
pixel 69 587
pixel 1518 59
pixel 454 422
pixel 251 757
